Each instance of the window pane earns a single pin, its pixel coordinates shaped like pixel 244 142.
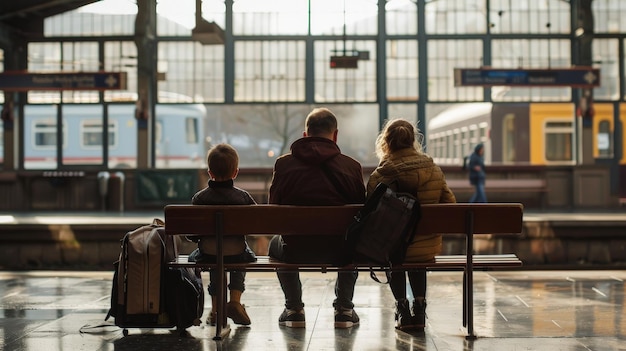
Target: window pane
pixel 270 70
pixel 559 137
pixel 443 57
pixel 123 136
pixel 531 53
pixel 84 124
pixel 402 75
pixel 192 72
pixel 40 138
pixel 121 56
pixel 456 17
pixel 332 17
pixel 344 84
pixel 253 17
pixel 546 17
pixel 401 17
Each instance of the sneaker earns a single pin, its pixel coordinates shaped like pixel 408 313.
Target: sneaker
pixel 419 314
pixel 292 318
pixel 404 319
pixel 345 317
pixel 237 312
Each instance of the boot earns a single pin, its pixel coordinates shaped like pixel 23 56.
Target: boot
pixel 403 315
pixel 419 313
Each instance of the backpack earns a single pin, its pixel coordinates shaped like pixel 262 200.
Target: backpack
pixel 384 228
pixel 465 163
pixel 144 291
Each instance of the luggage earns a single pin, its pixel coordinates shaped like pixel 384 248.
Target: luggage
pixel 145 293
pixel 384 228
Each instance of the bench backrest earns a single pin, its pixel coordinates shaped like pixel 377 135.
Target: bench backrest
pixel 459 218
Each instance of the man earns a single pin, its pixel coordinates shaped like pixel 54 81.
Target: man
pixel 477 174
pixel 315 173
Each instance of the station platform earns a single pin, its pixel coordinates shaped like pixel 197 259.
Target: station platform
pixel 521 310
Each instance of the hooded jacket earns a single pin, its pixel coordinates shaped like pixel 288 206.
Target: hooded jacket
pixel 477 176
pixel 299 179
pixel 417 174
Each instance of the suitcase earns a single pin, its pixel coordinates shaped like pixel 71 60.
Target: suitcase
pixel 145 293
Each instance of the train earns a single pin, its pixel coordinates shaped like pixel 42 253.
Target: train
pixel 179 135
pixel 525 133
pixel 530 133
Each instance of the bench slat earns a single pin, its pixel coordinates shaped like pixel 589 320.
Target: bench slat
pixel 490 218
pixel 266 263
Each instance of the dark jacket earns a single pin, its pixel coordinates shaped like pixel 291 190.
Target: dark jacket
pixel 415 173
pixel 477 176
pixel 299 179
pixel 222 193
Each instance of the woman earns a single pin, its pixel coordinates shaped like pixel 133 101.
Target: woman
pixel 403 162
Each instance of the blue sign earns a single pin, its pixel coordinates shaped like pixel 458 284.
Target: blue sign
pixel 24 81
pixel 579 77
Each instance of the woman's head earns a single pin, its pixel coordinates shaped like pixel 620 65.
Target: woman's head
pixel 397 134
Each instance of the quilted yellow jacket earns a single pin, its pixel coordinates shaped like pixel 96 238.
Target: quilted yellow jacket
pixel 417 174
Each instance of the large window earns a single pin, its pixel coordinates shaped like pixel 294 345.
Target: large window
pixel 443 57
pixel 190 72
pixel 531 53
pixel 270 71
pixel 402 65
pixel 344 85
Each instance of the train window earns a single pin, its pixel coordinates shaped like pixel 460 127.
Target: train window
pixel 191 130
pixel 45 134
pixel 559 141
pixel 604 140
pixel 91 132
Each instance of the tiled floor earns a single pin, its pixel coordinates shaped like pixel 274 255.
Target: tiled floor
pixel 524 310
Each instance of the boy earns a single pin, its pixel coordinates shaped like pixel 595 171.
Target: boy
pixel 223 163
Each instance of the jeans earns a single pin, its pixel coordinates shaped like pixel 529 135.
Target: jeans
pixel 237 278
pixel 479 194
pixel 292 286
pixel 417 280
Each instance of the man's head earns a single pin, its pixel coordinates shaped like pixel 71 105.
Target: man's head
pixel 321 122
pixel 223 162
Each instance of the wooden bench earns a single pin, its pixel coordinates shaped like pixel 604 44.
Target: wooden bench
pixel 445 219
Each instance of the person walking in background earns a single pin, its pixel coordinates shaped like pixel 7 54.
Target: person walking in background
pixel 406 168
pixel 223 167
pixel 477 174
pixel 315 173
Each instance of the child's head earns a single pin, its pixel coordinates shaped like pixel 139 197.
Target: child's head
pixel 223 162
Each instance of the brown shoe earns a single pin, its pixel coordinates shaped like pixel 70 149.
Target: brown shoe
pixel 212 319
pixel 237 312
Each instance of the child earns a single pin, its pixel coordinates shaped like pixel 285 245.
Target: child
pixel 223 163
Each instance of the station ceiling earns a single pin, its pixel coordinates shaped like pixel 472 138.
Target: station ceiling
pixel 25 16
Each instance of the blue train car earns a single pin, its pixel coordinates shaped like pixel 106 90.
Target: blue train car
pixel 179 135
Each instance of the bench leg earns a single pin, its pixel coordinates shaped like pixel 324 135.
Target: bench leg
pixel 468 304
pixel 468 278
pixel 221 323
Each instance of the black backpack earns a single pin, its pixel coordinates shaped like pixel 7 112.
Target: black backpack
pixel 384 228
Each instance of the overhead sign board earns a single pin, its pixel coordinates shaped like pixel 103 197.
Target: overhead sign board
pixel 577 77
pixel 25 81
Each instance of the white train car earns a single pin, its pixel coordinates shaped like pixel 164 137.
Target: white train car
pixel 179 135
